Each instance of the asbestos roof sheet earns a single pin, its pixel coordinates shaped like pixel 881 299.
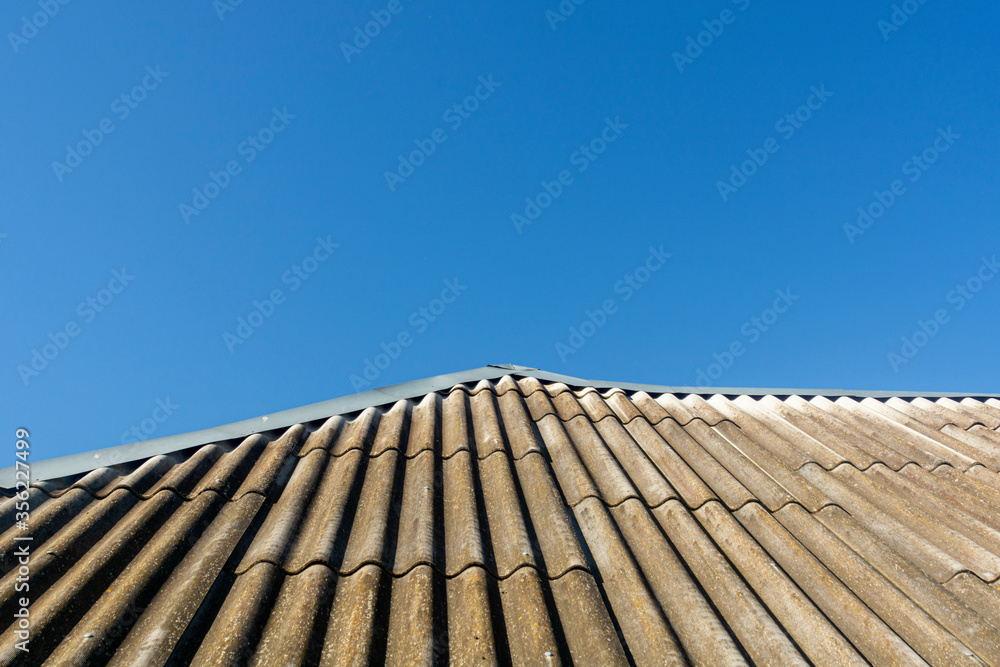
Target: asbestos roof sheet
pixel 518 520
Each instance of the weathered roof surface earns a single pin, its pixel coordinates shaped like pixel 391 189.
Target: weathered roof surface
pixel 525 522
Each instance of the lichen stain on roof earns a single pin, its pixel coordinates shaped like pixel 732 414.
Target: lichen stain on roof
pixel 522 522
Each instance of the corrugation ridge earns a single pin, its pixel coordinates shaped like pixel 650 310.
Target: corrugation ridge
pixel 639 399
pixel 877 463
pixel 754 476
pixel 845 428
pixel 478 388
pixel 462 388
pixel 372 414
pixel 704 409
pixel 956 407
pixel 193 496
pixel 160 563
pixel 389 606
pixel 864 628
pixel 325 434
pixel 116 471
pixel 901 613
pixel 990 582
pixel 965 551
pixel 642 415
pixel 598 460
pixel 606 394
pixel 543 574
pixel 105 490
pixel 486 566
pixel 773 464
pixel 785 440
pixel 904 434
pixel 694 416
pixel 56 517
pixel 635 461
pixel 928 417
pixel 501 386
pixel 620 502
pixel 828 435
pixel 553 389
pixel 940 438
pixel 972 426
pixel 95 565
pixel 952 516
pixel 394 448
pixel 178 457
pixel 713 474
pixel 743 617
pixel 759 502
pixel 437 454
pixel 912 545
pixel 530 381
pixel 981 407
pixel 706 502
pixel 652 423
pixel 872 425
pixel 233 471
pixel 883 463
pixel 505 451
pixel 178 600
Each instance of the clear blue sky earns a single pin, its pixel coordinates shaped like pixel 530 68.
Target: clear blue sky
pixel 205 158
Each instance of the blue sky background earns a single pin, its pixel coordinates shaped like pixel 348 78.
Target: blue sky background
pixel 323 176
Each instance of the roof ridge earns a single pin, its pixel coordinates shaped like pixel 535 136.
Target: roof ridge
pixel 85 461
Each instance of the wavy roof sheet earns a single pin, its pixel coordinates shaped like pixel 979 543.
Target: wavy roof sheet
pixel 519 521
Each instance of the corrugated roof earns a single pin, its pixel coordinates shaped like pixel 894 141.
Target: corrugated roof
pixel 524 521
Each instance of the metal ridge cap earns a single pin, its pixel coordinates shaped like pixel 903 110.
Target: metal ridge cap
pixel 747 391
pixel 73 464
